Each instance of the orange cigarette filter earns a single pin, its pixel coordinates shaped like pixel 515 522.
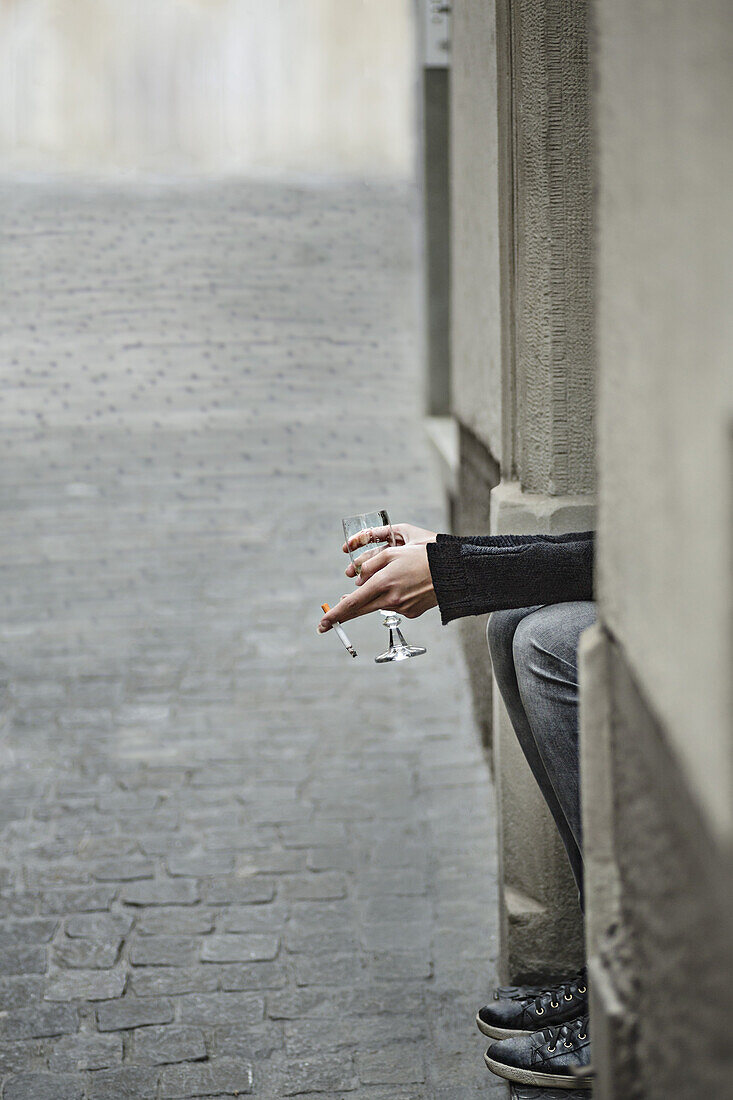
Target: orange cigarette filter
pixel 325 607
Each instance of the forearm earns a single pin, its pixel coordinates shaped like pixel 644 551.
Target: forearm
pixel 475 575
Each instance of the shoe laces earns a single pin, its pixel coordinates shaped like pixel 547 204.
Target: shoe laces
pixel 564 992
pixel 569 1034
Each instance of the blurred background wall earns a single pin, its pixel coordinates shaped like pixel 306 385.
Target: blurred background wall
pixel 207 85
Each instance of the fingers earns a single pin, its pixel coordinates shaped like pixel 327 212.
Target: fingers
pixel 354 604
pixel 372 564
pixel 368 565
pixel 370 534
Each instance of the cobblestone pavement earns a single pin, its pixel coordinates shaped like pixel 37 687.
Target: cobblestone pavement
pixel 234 860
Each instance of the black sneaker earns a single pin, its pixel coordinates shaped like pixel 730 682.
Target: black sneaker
pixel 554 1058
pixel 522 1012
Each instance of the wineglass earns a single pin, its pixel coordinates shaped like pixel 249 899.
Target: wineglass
pixel 368 534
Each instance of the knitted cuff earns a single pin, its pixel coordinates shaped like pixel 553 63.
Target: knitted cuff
pixel 449 578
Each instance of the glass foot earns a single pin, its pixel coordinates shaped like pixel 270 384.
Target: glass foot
pixel 398 649
pixel 399 653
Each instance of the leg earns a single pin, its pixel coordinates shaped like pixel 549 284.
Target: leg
pixel 501 632
pixel 545 651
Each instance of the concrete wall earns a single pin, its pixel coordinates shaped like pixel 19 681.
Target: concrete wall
pixel 213 85
pixel 656 688
pixel 666 338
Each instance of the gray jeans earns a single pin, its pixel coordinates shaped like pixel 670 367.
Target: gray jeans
pixel 534 651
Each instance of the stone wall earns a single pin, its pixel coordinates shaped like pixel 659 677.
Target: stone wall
pixel 656 683
pixel 207 85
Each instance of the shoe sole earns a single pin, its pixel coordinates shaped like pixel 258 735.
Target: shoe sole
pixel 533 1077
pixel 499 1032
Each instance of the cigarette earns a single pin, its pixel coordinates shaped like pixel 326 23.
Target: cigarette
pixel 341 633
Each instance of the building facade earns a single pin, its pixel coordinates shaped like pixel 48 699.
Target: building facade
pixel 591 380
pixel 207 86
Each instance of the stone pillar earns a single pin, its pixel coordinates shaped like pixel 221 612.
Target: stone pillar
pixel 541 925
pixel 522 367
pixel 475 303
pixel 545 200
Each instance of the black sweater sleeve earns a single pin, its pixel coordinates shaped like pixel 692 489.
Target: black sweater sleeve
pixel 491 572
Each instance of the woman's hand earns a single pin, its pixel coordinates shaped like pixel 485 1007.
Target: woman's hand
pixel 405 534
pixel 397 579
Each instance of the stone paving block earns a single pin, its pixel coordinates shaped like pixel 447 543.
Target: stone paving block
pixel 406 910
pixel 240 947
pixel 319 1072
pixel 254 890
pixel 167 842
pixel 313 834
pixel 21 933
pixel 252 918
pixel 130 1012
pixel 151 981
pixel 398 966
pixel 334 859
pixel 302 942
pixel 201 866
pixel 212 1009
pixel 176 921
pixel 19 992
pixel 252 1044
pixel 123 1084
pixel 238 838
pixel 123 870
pixel 83 900
pixel 86 985
pixel 252 976
pixel 277 861
pixel 223 1077
pixel 98 926
pixel 328 969
pixel 325 1001
pixel 19 1056
pixel 18 904
pixel 371 1033
pixel 401 1064
pixel 163 951
pixel 22 960
pixel 43 1086
pixel 396 936
pixel 321 886
pixel 85 1051
pixel 159 1046
pixel 86 954
pixel 39 1022
pixel 161 892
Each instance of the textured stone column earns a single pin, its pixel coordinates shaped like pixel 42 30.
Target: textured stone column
pixel 547 406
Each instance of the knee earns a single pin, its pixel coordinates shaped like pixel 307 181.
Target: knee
pixel 533 642
pixel 500 631
pixel 547 640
